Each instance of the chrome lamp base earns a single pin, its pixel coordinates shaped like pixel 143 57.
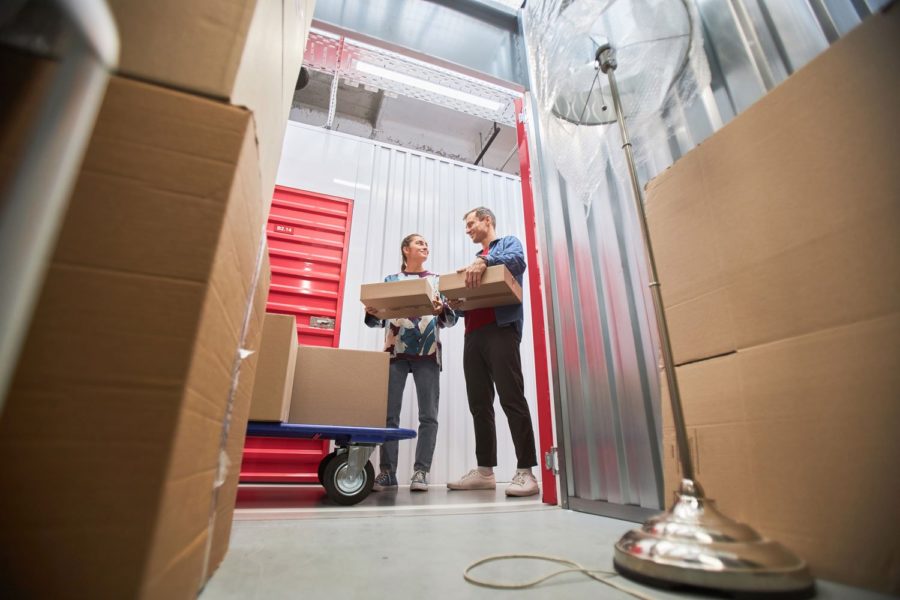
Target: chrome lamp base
pixel 693 545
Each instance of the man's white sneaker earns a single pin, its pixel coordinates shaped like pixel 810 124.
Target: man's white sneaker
pixel 474 480
pixel 523 484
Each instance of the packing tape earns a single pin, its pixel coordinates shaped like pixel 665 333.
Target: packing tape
pixel 240 354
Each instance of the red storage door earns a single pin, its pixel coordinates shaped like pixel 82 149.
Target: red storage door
pixel 308 236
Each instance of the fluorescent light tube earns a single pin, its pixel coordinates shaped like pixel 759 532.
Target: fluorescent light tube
pixel 359 186
pixel 428 86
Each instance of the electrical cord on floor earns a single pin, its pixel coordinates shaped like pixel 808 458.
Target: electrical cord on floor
pixel 603 577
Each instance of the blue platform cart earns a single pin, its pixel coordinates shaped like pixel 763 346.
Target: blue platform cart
pixel 346 473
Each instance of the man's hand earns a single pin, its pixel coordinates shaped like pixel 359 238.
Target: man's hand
pixel 474 273
pixel 454 303
pixel 372 311
pixel 437 307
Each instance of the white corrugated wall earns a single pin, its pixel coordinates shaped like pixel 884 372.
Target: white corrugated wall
pixel 397 192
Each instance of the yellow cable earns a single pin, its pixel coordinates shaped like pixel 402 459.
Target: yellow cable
pixel 603 577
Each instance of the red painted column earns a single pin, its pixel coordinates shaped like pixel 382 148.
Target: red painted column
pixel 542 377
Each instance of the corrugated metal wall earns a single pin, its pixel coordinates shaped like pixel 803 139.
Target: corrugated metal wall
pixel 397 192
pixel 602 330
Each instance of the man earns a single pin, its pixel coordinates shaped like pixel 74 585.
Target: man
pixel 491 358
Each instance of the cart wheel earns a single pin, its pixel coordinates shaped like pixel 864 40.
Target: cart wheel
pixel 323 464
pixel 344 489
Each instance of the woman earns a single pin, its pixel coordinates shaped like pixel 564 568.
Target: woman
pixel 414 344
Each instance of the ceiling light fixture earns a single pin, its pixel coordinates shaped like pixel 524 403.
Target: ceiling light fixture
pixel 359 186
pixel 427 86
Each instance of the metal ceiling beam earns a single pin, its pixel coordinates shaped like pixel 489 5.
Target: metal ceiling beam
pixel 376 109
pixel 490 141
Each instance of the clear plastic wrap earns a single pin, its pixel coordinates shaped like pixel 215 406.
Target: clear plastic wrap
pixel 661 66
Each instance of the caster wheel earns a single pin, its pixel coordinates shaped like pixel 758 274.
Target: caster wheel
pixel 323 464
pixel 343 488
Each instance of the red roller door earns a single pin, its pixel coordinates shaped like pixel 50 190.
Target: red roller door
pixel 308 235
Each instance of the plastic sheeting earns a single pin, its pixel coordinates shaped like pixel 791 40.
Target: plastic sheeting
pixel 603 333
pixel 658 46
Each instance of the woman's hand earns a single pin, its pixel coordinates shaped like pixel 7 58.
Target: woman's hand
pixel 438 307
pixel 372 311
pixel 455 303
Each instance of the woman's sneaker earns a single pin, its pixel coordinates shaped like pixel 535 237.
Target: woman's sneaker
pixel 419 482
pixel 385 481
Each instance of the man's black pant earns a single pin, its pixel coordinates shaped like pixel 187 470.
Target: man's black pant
pixel 491 357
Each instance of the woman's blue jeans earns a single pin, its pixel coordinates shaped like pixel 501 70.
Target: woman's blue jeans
pixel 426 375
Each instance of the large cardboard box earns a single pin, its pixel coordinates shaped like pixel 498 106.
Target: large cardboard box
pixel 248 53
pixel 498 288
pixel 275 370
pixel 785 221
pixel 780 263
pixel 799 439
pixel 340 387
pixel 230 470
pixel 397 299
pixel 112 432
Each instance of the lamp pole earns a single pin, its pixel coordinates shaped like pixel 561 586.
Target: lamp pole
pixel 693 544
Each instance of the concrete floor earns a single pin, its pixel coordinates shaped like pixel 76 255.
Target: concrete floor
pixel 290 542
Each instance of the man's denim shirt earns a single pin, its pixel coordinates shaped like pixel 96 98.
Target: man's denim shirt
pixel 508 251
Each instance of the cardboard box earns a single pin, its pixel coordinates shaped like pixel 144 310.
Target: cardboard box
pixel 397 299
pixel 248 53
pixel 780 266
pixel 799 439
pixel 498 288
pixel 780 225
pixel 112 430
pixel 226 496
pixel 275 370
pixel 340 387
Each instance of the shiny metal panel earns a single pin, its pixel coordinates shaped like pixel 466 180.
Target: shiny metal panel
pixel 464 32
pixel 801 35
pixel 742 79
pixel 753 45
pixel 546 196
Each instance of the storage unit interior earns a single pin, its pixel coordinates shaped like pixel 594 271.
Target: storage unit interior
pixel 408 113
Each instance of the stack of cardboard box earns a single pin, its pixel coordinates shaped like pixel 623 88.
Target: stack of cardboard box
pixel 779 258
pixel 120 438
pixel 317 386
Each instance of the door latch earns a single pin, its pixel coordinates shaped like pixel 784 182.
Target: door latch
pixel 321 322
pixel 551 460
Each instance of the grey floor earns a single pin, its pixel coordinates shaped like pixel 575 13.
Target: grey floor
pixel 290 542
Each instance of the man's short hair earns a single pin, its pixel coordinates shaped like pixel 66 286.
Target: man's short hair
pixel 481 213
